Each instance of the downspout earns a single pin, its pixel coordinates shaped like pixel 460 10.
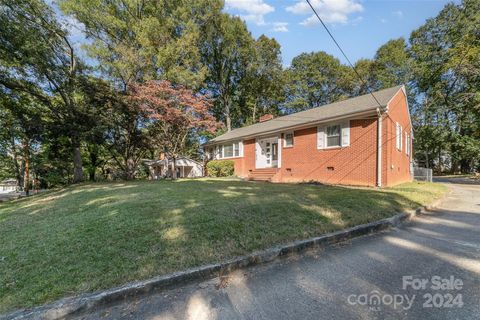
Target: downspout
pixel 379 148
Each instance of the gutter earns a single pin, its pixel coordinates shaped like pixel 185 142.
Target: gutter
pixel 379 148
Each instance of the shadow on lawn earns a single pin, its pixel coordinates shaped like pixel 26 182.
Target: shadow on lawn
pixel 106 234
pixel 321 282
pixel 208 221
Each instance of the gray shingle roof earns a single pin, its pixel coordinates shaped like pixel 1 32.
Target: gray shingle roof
pixel 337 109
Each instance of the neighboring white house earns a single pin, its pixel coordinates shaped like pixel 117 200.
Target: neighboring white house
pixel 185 168
pixel 8 185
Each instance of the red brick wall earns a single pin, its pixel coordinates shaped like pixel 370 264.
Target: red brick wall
pixel 243 164
pixel 353 165
pixel 247 162
pixel 395 163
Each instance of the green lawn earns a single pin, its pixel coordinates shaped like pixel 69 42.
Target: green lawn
pixel 95 236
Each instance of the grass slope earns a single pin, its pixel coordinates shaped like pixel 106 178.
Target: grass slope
pixel 95 236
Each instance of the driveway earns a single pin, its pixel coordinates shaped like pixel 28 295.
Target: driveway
pixel 427 269
pixel 9 196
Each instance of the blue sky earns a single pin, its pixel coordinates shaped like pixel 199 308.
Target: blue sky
pixel 359 26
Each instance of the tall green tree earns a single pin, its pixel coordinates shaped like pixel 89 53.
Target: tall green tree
pixel 368 71
pixel 37 58
pixel 393 64
pixel 95 109
pixel 128 139
pixel 315 79
pixel 134 42
pixel 264 81
pixel 226 52
pixel 21 126
pixel 141 40
pixel 446 59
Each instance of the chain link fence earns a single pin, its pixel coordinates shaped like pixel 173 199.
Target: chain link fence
pixel 422 174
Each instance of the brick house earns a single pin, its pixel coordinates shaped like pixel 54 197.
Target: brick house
pixel 351 142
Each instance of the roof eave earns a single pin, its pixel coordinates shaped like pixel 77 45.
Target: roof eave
pixel 372 110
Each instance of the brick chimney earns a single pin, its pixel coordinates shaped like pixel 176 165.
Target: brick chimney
pixel 266 117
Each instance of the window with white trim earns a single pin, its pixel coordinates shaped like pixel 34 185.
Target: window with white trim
pixel 407 144
pixel 236 149
pixel 333 136
pixel 401 139
pixel 398 136
pixel 288 139
pixel 230 150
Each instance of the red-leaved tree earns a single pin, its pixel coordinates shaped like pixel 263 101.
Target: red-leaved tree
pixel 172 113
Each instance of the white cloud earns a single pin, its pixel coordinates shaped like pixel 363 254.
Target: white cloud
pixel 398 14
pixel 331 11
pixel 252 10
pixel 280 26
pixel 257 19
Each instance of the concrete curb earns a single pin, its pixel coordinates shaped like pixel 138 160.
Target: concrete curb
pixel 74 306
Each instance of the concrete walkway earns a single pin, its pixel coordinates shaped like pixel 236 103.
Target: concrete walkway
pixel 343 282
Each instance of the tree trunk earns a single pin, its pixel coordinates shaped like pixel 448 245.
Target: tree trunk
pixel 228 119
pixel 77 163
pixel 174 168
pixel 465 166
pixel 93 165
pixel 130 169
pixel 453 167
pixel 167 168
pixel 254 116
pixel 440 162
pixel 22 173
pixel 26 155
pixel 19 170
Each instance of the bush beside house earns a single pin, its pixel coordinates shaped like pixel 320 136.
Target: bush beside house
pixel 224 168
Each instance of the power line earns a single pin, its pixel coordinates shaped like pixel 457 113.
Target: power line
pixel 343 52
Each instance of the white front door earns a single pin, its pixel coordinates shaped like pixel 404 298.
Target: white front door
pixel 266 153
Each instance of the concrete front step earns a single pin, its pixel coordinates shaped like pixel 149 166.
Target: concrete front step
pixel 260 178
pixel 255 177
pixel 265 170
